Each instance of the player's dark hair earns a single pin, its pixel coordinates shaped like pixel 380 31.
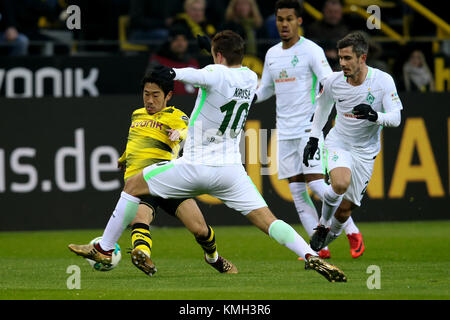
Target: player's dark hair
pixel 149 77
pixel 357 40
pixel 230 45
pixel 290 4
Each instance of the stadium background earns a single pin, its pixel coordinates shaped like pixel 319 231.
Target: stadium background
pixel 66 107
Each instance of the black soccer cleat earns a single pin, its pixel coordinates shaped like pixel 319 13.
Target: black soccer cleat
pixel 318 238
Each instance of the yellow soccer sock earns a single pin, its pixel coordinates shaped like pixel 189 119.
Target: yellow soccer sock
pixel 140 238
pixel 208 245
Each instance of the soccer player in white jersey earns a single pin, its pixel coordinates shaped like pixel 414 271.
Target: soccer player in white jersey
pixel 211 162
pixel 292 71
pixel 366 100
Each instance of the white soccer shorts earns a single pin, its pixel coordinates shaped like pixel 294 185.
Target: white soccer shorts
pixel 182 179
pixel 360 163
pixel 290 158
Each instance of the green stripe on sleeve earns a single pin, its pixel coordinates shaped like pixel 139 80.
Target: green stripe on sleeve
pixel 313 89
pixel 199 108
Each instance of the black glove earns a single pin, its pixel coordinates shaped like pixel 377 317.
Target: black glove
pixel 310 150
pixel 364 111
pixel 164 73
pixel 204 43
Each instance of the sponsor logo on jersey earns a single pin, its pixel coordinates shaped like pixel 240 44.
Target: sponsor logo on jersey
pixel 284 77
pixel 147 124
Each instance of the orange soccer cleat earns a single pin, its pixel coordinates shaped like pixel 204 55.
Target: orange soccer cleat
pixel 356 244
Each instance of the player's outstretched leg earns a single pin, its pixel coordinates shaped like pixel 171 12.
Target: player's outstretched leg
pixel 285 235
pixel 123 214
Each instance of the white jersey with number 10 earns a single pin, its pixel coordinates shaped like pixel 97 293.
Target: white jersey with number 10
pixel 220 112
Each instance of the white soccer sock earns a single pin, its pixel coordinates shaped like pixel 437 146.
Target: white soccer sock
pixel 335 230
pixel 330 203
pixel 121 217
pixel 305 207
pixel 318 187
pixel 350 226
pixel 285 235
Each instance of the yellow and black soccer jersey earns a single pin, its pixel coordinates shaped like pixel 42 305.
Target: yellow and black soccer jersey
pixel 148 140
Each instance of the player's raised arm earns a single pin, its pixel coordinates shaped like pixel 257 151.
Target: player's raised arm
pixel 206 77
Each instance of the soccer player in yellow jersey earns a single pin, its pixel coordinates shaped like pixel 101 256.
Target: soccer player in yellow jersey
pixel 154 136
pixel 151 138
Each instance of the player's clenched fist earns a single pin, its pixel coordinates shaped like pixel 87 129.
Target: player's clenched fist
pixel 310 150
pixel 164 73
pixel 204 42
pixel 364 111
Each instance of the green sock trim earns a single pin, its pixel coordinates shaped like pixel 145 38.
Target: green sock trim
pixel 307 199
pixel 130 213
pixel 282 232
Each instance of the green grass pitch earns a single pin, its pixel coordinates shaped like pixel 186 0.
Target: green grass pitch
pixel 413 257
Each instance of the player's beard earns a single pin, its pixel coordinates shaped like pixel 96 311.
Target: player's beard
pixel 354 73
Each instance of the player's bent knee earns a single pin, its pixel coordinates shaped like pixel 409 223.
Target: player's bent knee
pixel 144 214
pixel 136 186
pixel 340 187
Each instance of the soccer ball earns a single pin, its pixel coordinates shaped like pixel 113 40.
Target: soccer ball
pixel 116 256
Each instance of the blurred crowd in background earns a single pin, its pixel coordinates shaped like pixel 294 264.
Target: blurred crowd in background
pixel 165 30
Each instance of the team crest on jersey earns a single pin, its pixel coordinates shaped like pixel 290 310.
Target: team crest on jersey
pixel 294 61
pixel 370 98
pixel 185 119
